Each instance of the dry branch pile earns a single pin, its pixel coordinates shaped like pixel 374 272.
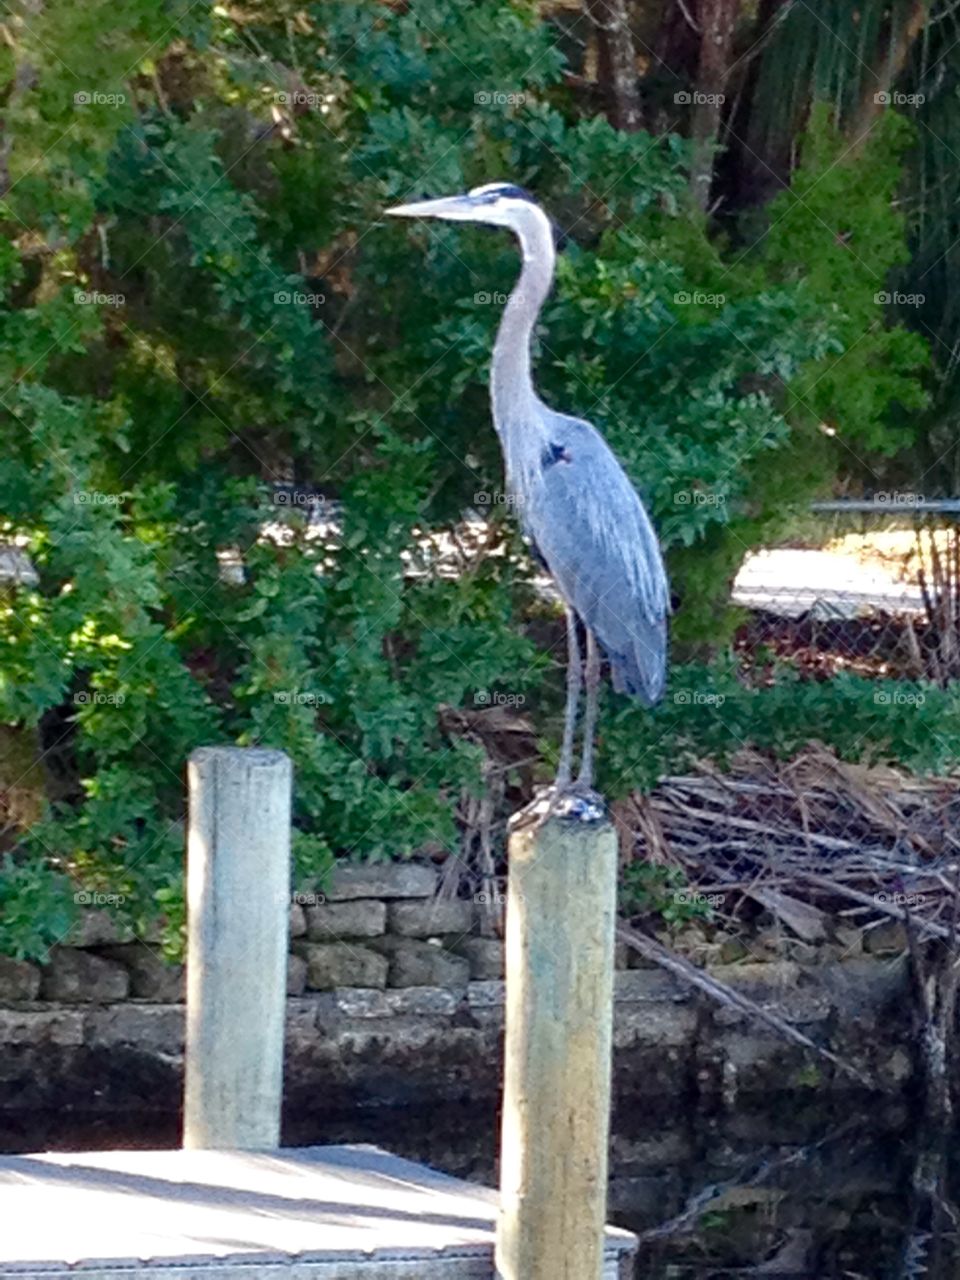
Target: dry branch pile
pixel 801 840
pixel 808 836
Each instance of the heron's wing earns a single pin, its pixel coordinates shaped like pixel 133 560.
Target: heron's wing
pixel 597 541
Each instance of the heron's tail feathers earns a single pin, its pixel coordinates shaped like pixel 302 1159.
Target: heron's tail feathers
pixel 641 671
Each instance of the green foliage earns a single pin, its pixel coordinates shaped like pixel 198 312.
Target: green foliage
pixel 170 901
pixel 709 712
pixel 209 305
pixel 842 54
pixel 650 888
pixel 846 270
pixel 35 908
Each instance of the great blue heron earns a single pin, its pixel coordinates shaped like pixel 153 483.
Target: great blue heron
pixel 575 501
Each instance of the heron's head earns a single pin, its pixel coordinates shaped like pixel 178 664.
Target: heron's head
pixel 498 204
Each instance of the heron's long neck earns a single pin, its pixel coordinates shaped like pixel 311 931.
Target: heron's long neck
pixel 512 394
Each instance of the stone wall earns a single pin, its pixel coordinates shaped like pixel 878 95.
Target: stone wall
pixel 379 927
pixel 375 927
pixel 394 995
pixel 371 1046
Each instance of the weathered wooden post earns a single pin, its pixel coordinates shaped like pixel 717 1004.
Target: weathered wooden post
pixel 561 918
pixel 238 903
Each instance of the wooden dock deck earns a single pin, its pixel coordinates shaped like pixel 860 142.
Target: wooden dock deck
pixel 307 1213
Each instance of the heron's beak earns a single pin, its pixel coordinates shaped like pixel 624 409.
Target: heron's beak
pixel 452 208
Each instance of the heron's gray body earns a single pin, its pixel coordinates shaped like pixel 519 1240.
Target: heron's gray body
pixel 590 527
pixel 574 499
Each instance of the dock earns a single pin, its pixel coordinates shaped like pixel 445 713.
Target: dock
pixel 297 1213
pixel 232 1204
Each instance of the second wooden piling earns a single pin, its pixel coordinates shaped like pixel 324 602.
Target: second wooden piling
pixel 238 901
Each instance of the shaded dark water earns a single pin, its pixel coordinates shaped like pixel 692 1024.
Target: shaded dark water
pixel 847 1191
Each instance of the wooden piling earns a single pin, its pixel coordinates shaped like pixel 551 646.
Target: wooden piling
pixel 238 901
pixel 561 916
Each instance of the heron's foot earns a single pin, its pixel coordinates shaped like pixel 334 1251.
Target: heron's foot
pixel 572 802
pixel 577 802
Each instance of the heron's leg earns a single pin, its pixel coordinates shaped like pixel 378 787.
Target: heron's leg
pixel 592 680
pixel 565 767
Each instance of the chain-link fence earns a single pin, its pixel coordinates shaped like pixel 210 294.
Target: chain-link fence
pixel 879 595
